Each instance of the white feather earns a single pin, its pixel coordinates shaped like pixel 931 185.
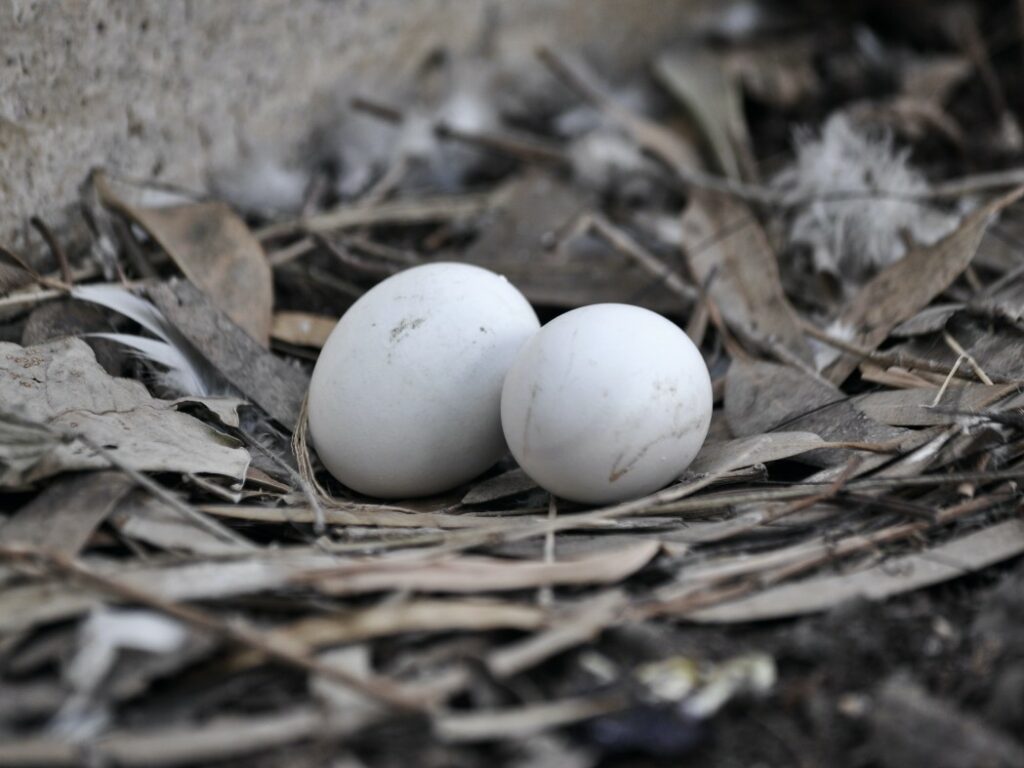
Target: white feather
pixel 128 304
pixel 857 235
pixel 181 375
pixel 187 370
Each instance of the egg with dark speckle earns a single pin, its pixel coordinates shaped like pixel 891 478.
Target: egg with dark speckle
pixel 405 397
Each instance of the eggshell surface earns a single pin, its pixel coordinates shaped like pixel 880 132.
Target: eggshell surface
pixel 405 397
pixel 606 403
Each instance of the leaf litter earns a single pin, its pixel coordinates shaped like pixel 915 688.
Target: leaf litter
pixel 211 593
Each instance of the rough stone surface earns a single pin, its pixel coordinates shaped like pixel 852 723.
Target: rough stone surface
pixel 171 88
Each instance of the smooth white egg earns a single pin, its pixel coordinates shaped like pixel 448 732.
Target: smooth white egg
pixel 606 403
pixel 405 397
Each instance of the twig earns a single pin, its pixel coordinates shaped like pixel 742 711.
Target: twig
pixel 291 252
pixel 38 278
pixel 342 254
pixel 528 148
pixel 945 382
pixel 398 212
pixel 626 245
pixel 955 346
pixel 898 359
pixel 307 477
pixel 55 248
pixel 379 689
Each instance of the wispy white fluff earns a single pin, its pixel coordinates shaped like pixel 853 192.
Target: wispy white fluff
pixel 604 157
pixel 858 185
pixel 186 371
pixel 263 184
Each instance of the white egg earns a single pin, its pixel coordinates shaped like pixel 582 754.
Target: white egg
pixel 405 397
pixel 606 403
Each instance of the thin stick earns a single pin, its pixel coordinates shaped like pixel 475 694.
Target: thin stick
pixel 625 244
pixel 307 477
pixel 945 382
pixel 955 346
pixel 55 248
pixel 898 359
pixel 528 148
pixel 419 211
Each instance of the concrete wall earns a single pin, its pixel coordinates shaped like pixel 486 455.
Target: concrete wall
pixel 167 88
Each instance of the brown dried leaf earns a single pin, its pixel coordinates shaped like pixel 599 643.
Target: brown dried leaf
pixel 903 289
pixel 145 518
pixel 729 253
pixel 510 483
pixel 757 449
pixel 191 743
pixel 522 722
pixel 479 574
pixel 892 577
pixel 914 407
pixel 999 351
pixel 64 515
pixel 215 250
pixel 760 397
pixel 48 600
pixel 303 329
pixel 60 385
pixel 416 616
pixel 359 514
pixel 698 78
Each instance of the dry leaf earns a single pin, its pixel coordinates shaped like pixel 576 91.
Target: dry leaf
pixel 480 574
pixel 145 518
pixel 522 722
pixel 302 328
pixel 60 385
pixel 361 514
pixel 891 577
pixel 903 289
pixel 761 396
pixel 215 250
pixel 26 605
pixel 416 616
pixel 758 449
pixel 730 255
pixel 510 483
pixel 63 517
pixel 917 407
pixel 700 81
